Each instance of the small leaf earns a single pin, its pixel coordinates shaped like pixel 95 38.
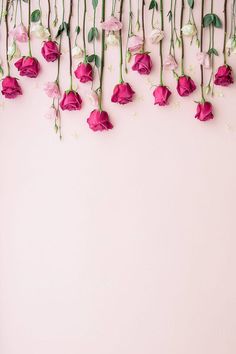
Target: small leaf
pixel 77 30
pixel 169 15
pixel 191 3
pixel 36 15
pixel 213 51
pixel 217 22
pixel 153 5
pixel 91 58
pixel 97 61
pixel 208 19
pixel 95 4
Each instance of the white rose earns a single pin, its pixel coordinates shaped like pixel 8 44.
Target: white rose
pixel 231 45
pixel 112 39
pixel 39 31
pixel 156 36
pixel 13 51
pixel 77 52
pixel 189 30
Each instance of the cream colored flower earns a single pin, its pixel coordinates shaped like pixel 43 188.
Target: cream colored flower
pixel 231 45
pixel 156 36
pixel 77 52
pixel 13 51
pixel 112 39
pixel 39 31
pixel 189 30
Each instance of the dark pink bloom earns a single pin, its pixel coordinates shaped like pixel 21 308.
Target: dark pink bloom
pixel 99 120
pixel 142 63
pixel 84 72
pixel 71 101
pixel 185 86
pixel 224 76
pixel 28 66
pixel 50 51
pixel 204 111
pixel 122 93
pixel 10 87
pixel 161 94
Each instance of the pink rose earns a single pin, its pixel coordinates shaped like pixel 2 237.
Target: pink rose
pixel 71 101
pixel 170 63
pixel 135 44
pixel 52 90
pixel 142 63
pixel 161 95
pixel 84 72
pixel 99 120
pixel 19 33
pixel 50 51
pixel 204 60
pixel 10 87
pixel 122 93
pixel 112 24
pixel 204 111
pixel 224 76
pixel 28 66
pixel 185 86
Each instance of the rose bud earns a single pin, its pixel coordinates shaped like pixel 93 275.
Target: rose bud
pixel 161 95
pixel 142 63
pixel 185 86
pixel 224 76
pixel 10 87
pixel 156 36
pixel 20 33
pixel 204 111
pixel 84 72
pixel 122 93
pixel 28 66
pixel 52 90
pixel 170 63
pixel 50 51
pixel 71 101
pixel 99 120
pixel 135 43
pixel 112 24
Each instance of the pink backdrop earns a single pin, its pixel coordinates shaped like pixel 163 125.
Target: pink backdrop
pixel 122 241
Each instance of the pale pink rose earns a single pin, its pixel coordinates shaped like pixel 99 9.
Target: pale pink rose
pixel 135 43
pixel 93 98
pixel 51 114
pixel 170 63
pixel 156 36
pixel 204 60
pixel 19 33
pixel 112 24
pixel 52 90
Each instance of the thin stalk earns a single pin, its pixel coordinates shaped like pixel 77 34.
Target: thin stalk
pixel 161 43
pixel 129 34
pixel 120 42
pixel 225 31
pixel 29 27
pixel 49 17
pixel 60 45
pixel 84 30
pixel 201 49
pixel 143 25
pixel 7 35
pixel 16 11
pixel 21 14
pixel 102 56
pixel 181 37
pixel 69 42
pixel 113 8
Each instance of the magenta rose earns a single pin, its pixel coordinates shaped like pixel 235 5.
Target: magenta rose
pixel 185 86
pixel 84 72
pixel 204 111
pixel 122 93
pixel 99 120
pixel 50 51
pixel 224 76
pixel 142 63
pixel 28 66
pixel 71 101
pixel 10 87
pixel 161 95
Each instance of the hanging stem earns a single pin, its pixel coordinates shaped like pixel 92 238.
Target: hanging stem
pixel 78 13
pixel 21 16
pixel 102 56
pixel 84 30
pixel 161 43
pixel 16 11
pixel 129 34
pixel 69 42
pixel 7 35
pixel 120 42
pixel 60 45
pixel 201 49
pixel 49 17
pixel 225 32
pixel 181 37
pixel 143 25
pixel 56 14
pixel 113 8
pixel 29 27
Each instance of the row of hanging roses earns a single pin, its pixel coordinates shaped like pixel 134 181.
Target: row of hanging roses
pixel 112 34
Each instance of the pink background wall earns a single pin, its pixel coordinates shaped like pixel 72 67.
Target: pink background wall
pixel 119 242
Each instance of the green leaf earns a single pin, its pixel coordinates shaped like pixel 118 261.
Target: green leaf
pixel 191 3
pixel 91 58
pixel 97 61
pixel 217 22
pixel 153 5
pixel 95 4
pixel 169 15
pixel 36 15
pixel 63 27
pixel 93 33
pixel 213 51
pixel 77 30
pixel 208 20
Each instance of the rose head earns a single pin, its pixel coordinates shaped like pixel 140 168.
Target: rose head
pixel 28 66
pixel 52 90
pixel 135 43
pixel 170 63
pixel 20 34
pixel 50 51
pixel 84 72
pixel 10 87
pixel 156 36
pixel 142 63
pixel 204 111
pixel 71 101
pixel 185 86
pixel 161 95
pixel 122 93
pixel 224 76
pixel 112 24
pixel 99 120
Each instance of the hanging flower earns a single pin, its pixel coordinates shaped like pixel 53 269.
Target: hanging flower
pixel 135 43
pixel 11 87
pixel 161 95
pixel 71 101
pixel 189 30
pixel 50 51
pixel 112 24
pixel 204 111
pixel 28 66
pixel 231 45
pixel 142 63
pixel 185 86
pixel 19 33
pixel 52 90
pixel 77 52
pixel 84 72
pixel 112 39
pixel 170 63
pixel 204 60
pixel 224 76
pixel 122 93
pixel 156 36
pixel 13 51
pixel 99 121
pixel 51 114
pixel 39 31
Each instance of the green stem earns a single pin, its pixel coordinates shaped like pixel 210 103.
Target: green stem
pixel 49 17
pixel 69 42
pixel 113 8
pixel 40 9
pixel 143 25
pixel 102 55
pixel 120 42
pixel 84 30
pixel 161 43
pixel 16 11
pixel 225 31
pixel 201 49
pixel 181 37
pixel 29 27
pixel 60 45
pixel 7 35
